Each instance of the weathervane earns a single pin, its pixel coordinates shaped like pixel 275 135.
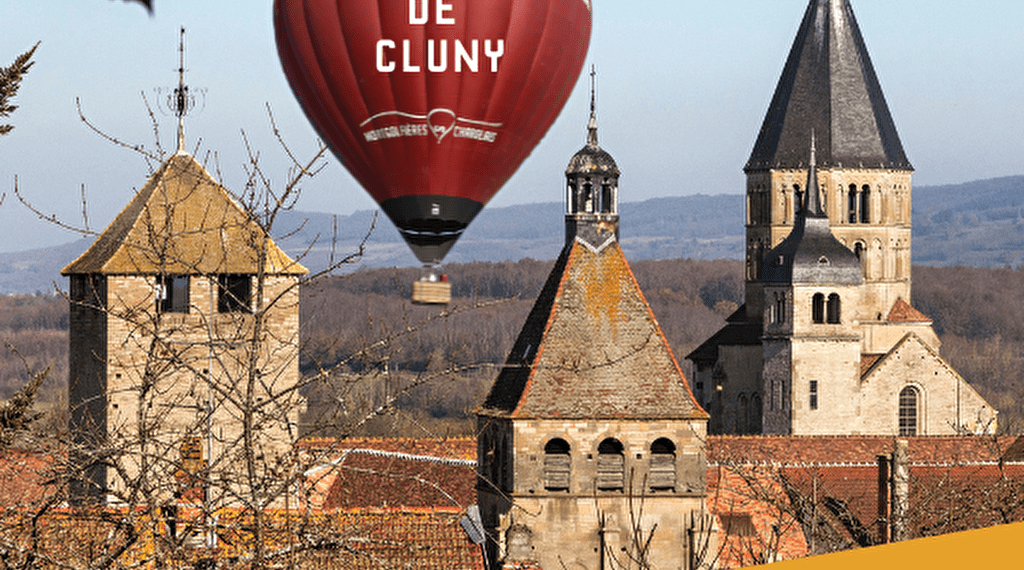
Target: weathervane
pixel 181 100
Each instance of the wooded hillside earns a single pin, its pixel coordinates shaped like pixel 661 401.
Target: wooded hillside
pixel 977 313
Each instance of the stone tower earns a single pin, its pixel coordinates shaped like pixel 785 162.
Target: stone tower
pixel 811 349
pixel 590 420
pixel 184 328
pixel 823 342
pixel 828 86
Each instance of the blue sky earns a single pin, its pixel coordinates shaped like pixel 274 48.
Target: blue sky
pixel 683 88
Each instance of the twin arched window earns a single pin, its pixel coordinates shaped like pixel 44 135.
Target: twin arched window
pixel 822 312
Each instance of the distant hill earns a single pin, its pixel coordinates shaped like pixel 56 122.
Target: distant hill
pixel 977 224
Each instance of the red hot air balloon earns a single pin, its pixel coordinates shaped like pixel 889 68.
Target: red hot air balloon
pixel 432 104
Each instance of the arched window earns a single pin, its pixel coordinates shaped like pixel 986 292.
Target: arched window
pixel 588 197
pixel 780 309
pixel 662 476
pixel 557 465
pixel 798 200
pixel 865 204
pixel 833 309
pixel 606 198
pixel 818 308
pixel 909 407
pixel 852 203
pixel 611 465
pixel 754 414
pixel 740 418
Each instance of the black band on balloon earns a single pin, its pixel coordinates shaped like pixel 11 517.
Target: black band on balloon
pixel 431 224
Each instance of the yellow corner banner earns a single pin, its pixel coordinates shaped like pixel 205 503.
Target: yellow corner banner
pixel 994 547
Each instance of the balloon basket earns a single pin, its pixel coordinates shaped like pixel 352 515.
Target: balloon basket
pixel 432 288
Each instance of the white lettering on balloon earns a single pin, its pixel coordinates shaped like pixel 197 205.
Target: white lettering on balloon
pixel 438 122
pixel 433 53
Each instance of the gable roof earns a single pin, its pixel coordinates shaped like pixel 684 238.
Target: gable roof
pixel 591 348
pixel 828 86
pixel 183 222
pixel 902 312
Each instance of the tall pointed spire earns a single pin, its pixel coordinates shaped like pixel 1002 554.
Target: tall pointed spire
pixel 812 205
pixel 592 124
pixel 181 98
pixel 828 85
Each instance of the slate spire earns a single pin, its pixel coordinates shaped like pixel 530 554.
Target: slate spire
pixel 829 86
pixel 811 253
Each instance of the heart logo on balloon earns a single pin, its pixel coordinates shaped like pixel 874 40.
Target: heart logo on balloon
pixel 441 122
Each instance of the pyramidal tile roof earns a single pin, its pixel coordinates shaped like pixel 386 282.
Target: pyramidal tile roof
pixel 591 348
pixel 902 312
pixel 182 222
pixel 828 85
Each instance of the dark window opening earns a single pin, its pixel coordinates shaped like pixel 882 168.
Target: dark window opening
pixel 662 476
pixel 798 200
pixel 833 309
pixel 737 524
pixel 588 197
pixel 852 204
pixel 172 293
pixel 814 395
pixel 557 465
pixel 611 466
pixel 818 308
pixel 865 205
pixel 606 198
pixel 234 293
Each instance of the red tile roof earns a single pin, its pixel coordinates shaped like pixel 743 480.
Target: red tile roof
pixel 26 477
pixel 382 473
pixel 902 312
pixel 852 449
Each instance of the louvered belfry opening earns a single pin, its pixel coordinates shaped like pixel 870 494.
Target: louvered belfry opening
pixel 662 476
pixel 611 466
pixel 557 465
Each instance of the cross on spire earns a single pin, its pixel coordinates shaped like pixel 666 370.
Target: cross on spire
pixel 592 125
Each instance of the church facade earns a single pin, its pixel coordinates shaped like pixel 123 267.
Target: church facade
pixel 830 344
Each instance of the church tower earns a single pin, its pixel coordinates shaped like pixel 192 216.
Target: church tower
pixel 184 344
pixel 828 86
pixel 590 442
pixel 827 341
pixel 811 345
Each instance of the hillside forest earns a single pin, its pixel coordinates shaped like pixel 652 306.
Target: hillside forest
pixel 362 326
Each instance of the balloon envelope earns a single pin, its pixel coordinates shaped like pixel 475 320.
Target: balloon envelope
pixel 432 104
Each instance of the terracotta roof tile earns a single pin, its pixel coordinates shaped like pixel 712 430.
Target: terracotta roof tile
pixel 184 222
pixel 902 312
pixel 591 348
pixel 867 361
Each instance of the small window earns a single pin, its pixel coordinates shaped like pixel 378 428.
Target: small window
pixel 611 466
pixel 557 465
pixel 662 476
pixel 814 395
pixel 833 309
pixel 737 524
pixel 908 411
pixel 234 293
pixel 865 205
pixel 172 293
pixel 818 308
